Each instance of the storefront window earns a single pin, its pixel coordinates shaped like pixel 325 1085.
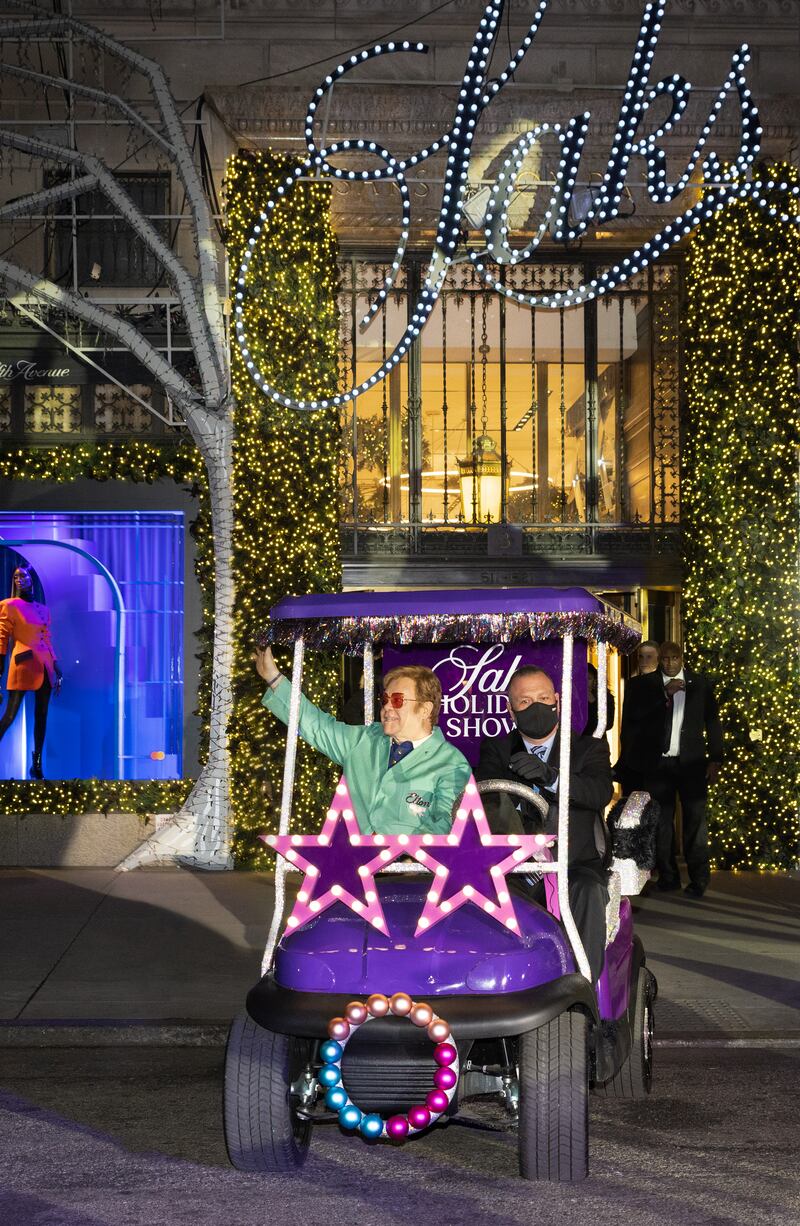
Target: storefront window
pixel 502 413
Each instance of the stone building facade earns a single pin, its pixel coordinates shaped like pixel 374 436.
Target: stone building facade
pixel 510 447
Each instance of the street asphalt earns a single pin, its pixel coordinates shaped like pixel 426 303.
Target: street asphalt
pixel 116 991
pixel 133 1137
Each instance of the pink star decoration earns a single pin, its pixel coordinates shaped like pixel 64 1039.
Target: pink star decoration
pixel 470 865
pixel 339 864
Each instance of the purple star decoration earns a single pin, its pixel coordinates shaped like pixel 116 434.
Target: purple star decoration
pixel 339 864
pixel 469 864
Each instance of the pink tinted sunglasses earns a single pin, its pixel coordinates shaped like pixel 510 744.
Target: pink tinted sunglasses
pixel 395 700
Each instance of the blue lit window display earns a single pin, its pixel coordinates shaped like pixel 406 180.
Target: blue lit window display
pixel 114 585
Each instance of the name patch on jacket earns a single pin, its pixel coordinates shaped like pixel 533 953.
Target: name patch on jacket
pixel 417 804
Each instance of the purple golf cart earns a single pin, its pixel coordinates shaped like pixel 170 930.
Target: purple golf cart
pixel 497 983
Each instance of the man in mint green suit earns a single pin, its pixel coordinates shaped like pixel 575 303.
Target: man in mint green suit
pixel 403 776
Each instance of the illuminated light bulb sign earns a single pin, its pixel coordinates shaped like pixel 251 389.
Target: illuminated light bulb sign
pixel 469 865
pixel 720 184
pixel 339 864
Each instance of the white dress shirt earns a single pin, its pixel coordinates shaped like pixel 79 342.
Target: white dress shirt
pixel 678 708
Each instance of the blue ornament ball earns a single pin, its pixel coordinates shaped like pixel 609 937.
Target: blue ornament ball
pixel 330 1052
pixel 371 1126
pixel 350 1117
pixel 336 1098
pixel 330 1075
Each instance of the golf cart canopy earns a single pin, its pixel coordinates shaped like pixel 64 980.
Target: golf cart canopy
pixel 347 621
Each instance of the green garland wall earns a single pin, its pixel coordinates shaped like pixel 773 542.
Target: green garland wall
pixel 740 496
pixel 130 461
pixel 286 535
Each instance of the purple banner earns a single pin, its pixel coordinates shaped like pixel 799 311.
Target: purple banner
pixel 474 681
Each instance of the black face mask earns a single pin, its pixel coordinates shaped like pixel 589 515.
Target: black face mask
pixel 537 720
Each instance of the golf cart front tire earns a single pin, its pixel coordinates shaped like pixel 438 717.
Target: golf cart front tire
pixel 554 1100
pixel 262 1130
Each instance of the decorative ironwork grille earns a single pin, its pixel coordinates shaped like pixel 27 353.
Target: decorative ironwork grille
pixel 5 409
pixel 115 412
pixel 103 248
pixel 52 410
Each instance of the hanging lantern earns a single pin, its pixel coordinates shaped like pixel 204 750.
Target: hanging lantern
pixel 481 479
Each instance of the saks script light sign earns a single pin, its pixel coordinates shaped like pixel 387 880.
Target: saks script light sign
pixel 475 681
pixel 721 183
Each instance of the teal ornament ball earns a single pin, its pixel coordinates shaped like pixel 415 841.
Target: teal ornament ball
pixel 336 1098
pixel 331 1052
pixel 350 1117
pixel 371 1126
pixel 329 1075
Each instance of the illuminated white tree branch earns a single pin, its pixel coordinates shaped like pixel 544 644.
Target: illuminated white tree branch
pixel 199 833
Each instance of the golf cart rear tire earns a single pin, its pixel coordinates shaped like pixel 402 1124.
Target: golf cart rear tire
pixel 634 1079
pixel 262 1130
pixel 554 1100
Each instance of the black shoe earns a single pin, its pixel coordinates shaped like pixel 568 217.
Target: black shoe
pixel 668 885
pixel 36 766
pixel 694 891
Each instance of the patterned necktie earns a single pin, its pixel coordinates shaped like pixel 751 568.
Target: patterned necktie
pixel 540 751
pixel 398 751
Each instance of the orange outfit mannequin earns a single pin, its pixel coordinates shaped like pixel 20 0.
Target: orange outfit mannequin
pixel 25 627
pixel 27 623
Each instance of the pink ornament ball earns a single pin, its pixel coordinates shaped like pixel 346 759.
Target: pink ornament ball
pixel 338 1028
pixel 437 1101
pixel 421 1015
pixel 397 1127
pixel 400 1004
pixel 445 1053
pixel 445 1078
pixel 378 1004
pixel 356 1013
pixel 419 1117
pixel 438 1031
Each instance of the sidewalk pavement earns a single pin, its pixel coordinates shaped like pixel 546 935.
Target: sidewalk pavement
pixel 168 955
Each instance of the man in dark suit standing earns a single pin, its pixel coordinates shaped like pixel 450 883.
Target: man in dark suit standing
pixel 672 746
pixel 530 754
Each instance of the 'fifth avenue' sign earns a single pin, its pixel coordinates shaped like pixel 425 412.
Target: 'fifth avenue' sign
pixel 29 372
pixel 722 182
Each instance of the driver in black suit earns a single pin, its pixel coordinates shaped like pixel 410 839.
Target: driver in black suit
pixel 529 754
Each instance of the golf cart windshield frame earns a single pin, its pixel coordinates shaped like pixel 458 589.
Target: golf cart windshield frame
pixel 357 622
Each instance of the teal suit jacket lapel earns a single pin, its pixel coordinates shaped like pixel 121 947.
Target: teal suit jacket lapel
pixel 415 760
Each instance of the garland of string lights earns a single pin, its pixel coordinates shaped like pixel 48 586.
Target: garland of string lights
pixel 131 461
pixel 740 498
pixel 286 538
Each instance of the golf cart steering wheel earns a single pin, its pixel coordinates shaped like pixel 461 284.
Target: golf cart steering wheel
pixel 515 789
